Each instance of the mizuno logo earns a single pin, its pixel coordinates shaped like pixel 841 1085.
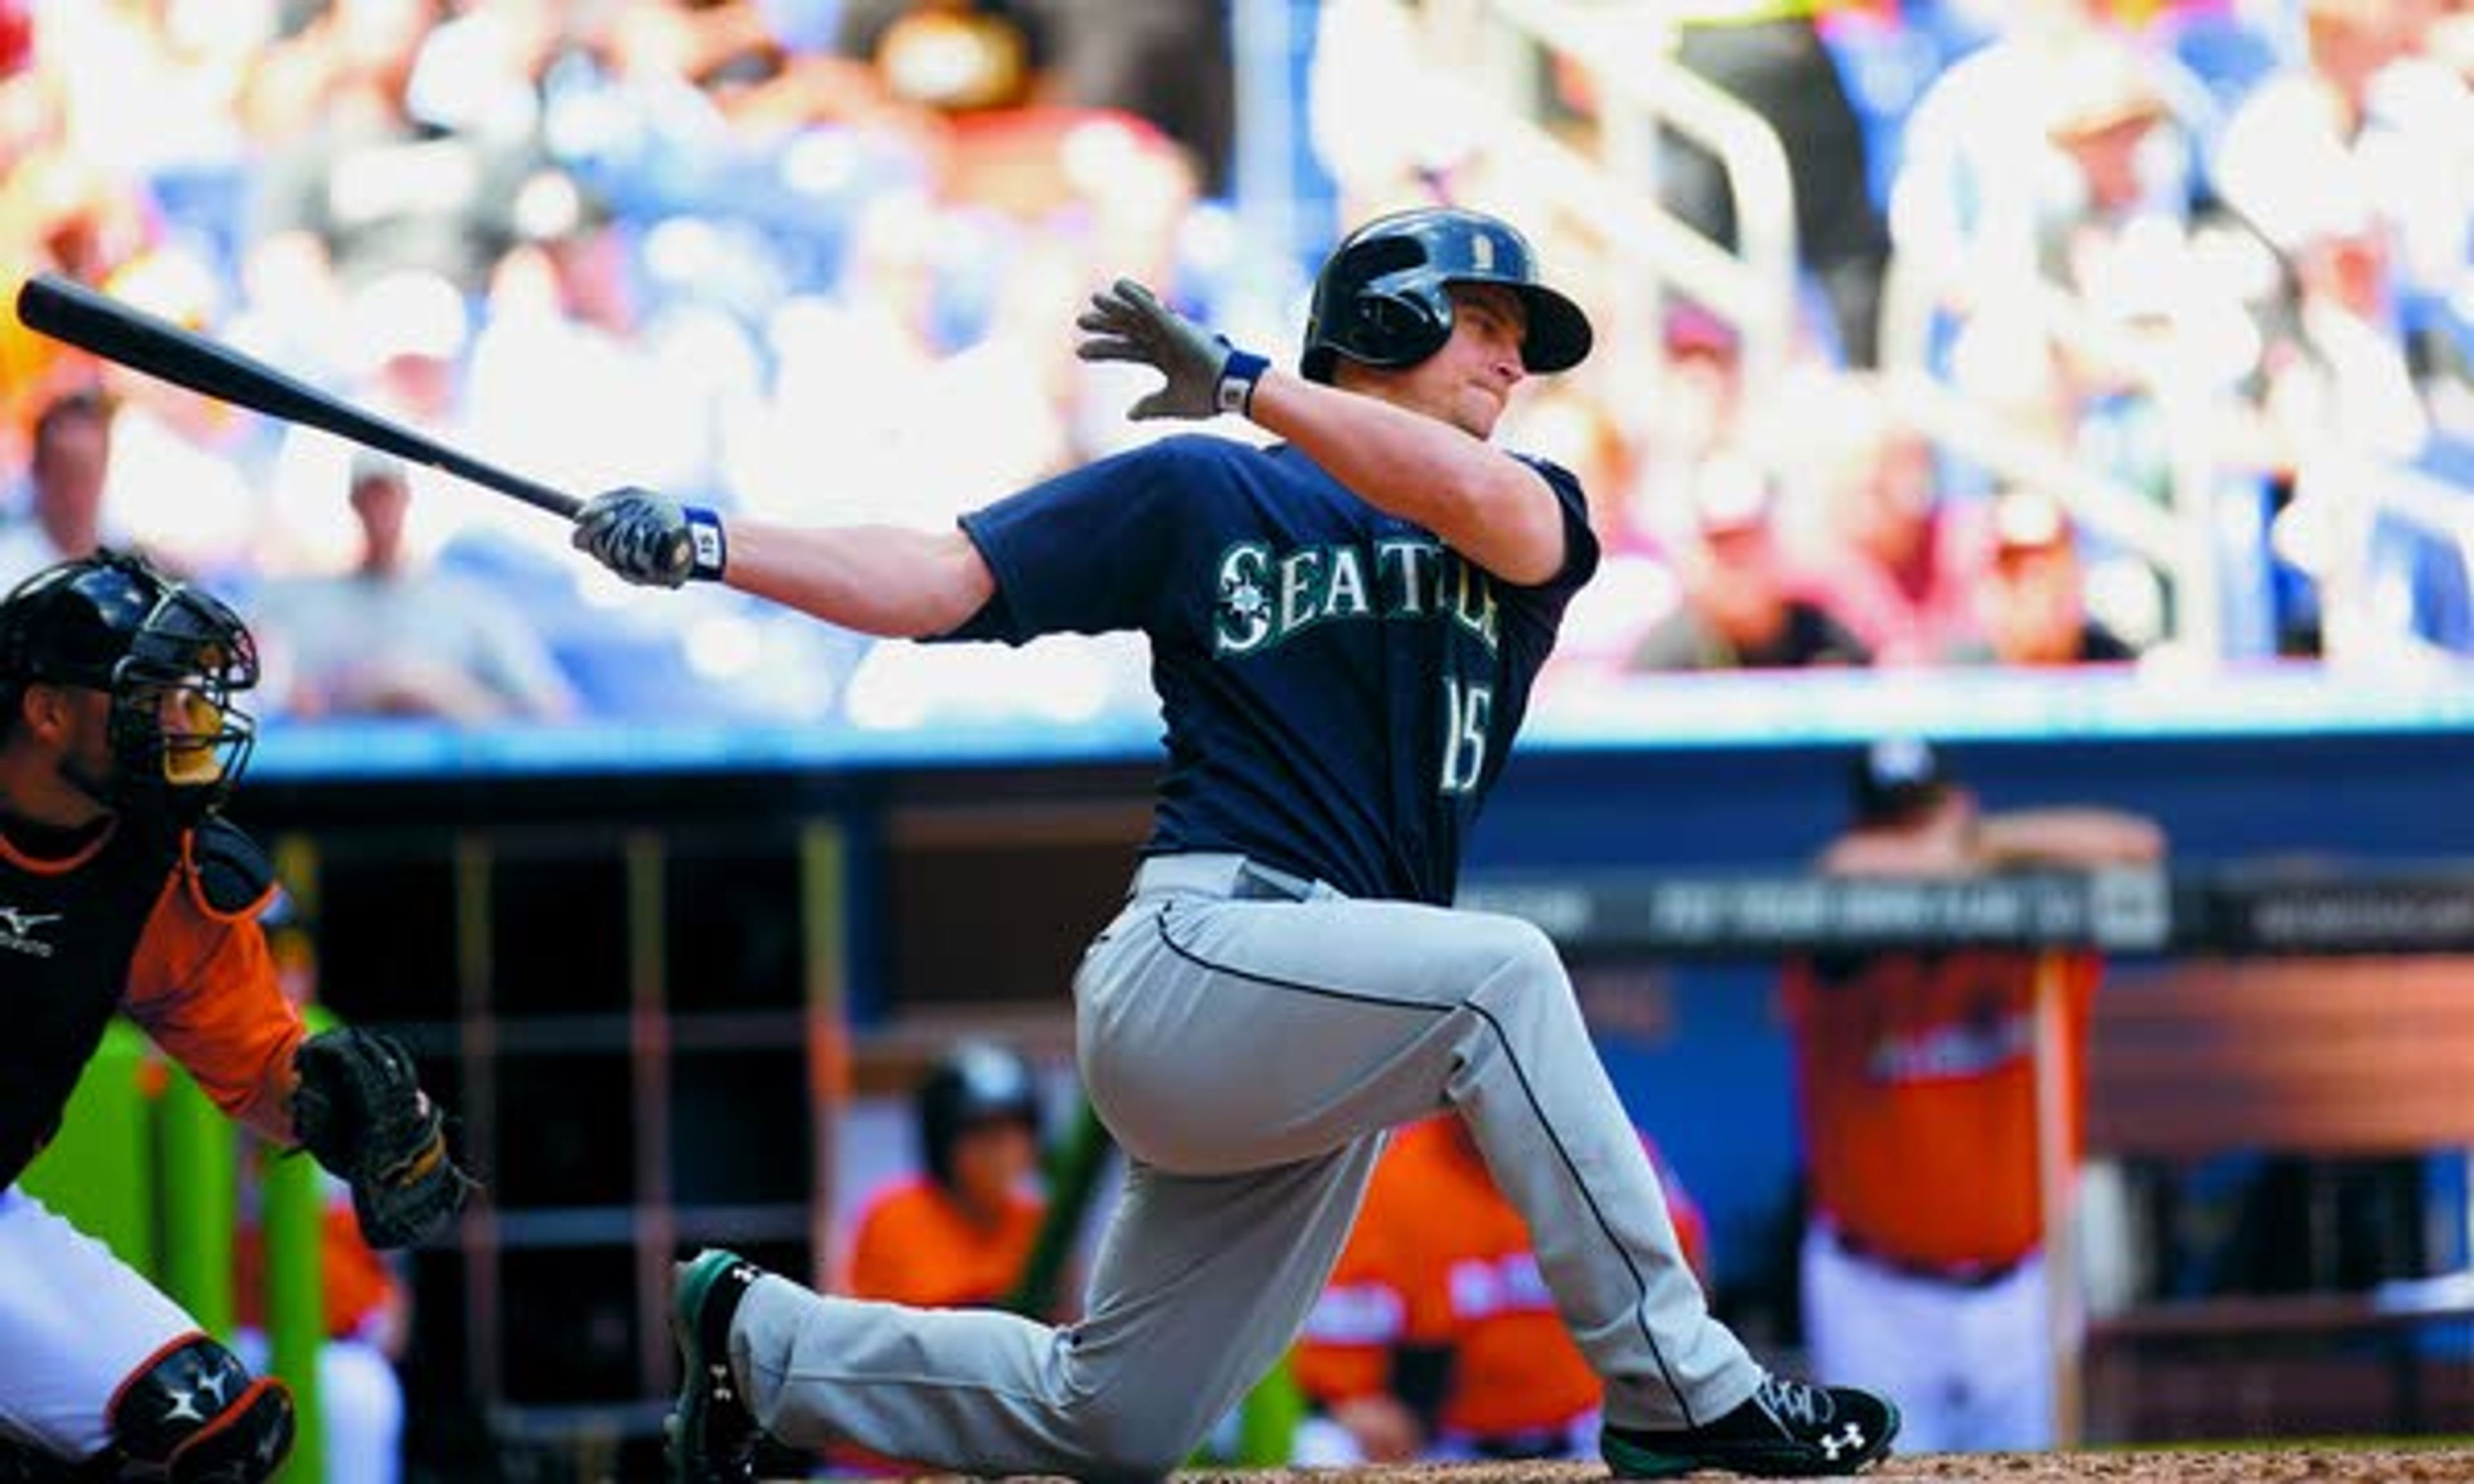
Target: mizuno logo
pixel 18 931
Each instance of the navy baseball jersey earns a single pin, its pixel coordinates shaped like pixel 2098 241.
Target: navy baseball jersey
pixel 1339 687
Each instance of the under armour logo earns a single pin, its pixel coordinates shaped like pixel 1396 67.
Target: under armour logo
pixel 183 1408
pixel 1851 1436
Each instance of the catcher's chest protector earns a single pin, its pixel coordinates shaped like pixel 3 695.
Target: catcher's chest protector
pixel 66 941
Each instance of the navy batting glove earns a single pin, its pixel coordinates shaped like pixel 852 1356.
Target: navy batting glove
pixel 651 539
pixel 1206 375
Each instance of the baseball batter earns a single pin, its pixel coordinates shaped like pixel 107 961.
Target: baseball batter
pixel 1344 628
pixel 121 891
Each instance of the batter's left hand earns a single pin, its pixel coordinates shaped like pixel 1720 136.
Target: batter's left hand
pixel 1126 323
pixel 650 540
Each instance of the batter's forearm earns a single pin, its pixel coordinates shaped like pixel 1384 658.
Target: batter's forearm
pixel 888 580
pixel 1485 504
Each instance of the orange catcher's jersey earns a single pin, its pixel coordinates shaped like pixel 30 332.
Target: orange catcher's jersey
pixel 1916 1077
pixel 1440 1258
pixel 164 932
pixel 913 1245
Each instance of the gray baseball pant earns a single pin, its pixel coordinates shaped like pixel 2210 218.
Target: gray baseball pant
pixel 1249 1038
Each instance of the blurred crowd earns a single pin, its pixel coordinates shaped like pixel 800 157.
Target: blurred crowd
pixel 813 259
pixel 2145 340
pixel 819 258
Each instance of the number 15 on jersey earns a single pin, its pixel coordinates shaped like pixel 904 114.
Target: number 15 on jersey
pixel 1467 710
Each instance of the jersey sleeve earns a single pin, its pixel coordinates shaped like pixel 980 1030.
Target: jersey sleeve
pixel 1084 552
pixel 1581 550
pixel 204 986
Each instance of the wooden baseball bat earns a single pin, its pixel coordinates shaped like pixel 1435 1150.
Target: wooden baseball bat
pixel 69 311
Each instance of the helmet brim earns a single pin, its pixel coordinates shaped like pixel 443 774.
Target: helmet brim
pixel 1559 337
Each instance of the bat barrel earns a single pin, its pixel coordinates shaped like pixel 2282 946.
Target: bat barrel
pixel 71 312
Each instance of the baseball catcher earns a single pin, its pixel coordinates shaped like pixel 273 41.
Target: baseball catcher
pixel 123 891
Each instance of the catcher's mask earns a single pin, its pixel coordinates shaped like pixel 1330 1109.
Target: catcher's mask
pixel 172 657
pixel 1384 296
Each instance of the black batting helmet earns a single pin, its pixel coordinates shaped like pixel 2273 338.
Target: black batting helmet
pixel 1383 297
pixel 1895 779
pixel 977 1083
pixel 163 651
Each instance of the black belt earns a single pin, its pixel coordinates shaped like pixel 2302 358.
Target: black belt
pixel 1953 1275
pixel 1258 882
pixel 1225 875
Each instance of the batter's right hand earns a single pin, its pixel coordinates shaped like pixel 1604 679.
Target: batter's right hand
pixel 1206 376
pixel 649 538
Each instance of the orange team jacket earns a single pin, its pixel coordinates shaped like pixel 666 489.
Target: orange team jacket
pixel 1439 1257
pixel 913 1245
pixel 354 1281
pixel 1917 1085
pixel 165 933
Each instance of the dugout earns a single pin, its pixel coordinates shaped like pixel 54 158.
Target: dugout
pixel 647 975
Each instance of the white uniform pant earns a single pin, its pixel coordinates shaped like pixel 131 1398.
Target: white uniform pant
pixel 1248 1055
pixel 1972 1367
pixel 75 1324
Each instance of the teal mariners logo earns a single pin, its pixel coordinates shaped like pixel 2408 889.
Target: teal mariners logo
pixel 1266 598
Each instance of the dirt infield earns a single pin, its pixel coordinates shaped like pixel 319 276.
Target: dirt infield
pixel 2452 1463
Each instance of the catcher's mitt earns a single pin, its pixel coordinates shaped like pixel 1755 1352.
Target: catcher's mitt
pixel 360 1110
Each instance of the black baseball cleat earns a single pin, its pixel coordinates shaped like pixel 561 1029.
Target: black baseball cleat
pixel 1786 1430
pixel 710 1437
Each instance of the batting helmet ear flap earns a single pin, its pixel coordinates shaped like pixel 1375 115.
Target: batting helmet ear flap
pixel 1403 327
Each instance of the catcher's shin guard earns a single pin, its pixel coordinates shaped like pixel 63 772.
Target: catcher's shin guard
pixel 194 1415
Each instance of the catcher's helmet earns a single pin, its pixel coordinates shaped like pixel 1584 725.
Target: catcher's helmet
pixel 172 659
pixel 1383 297
pixel 977 1083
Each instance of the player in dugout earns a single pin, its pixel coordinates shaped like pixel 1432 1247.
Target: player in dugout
pixel 960 1232
pixel 1344 627
pixel 121 890
pixel 1915 1073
